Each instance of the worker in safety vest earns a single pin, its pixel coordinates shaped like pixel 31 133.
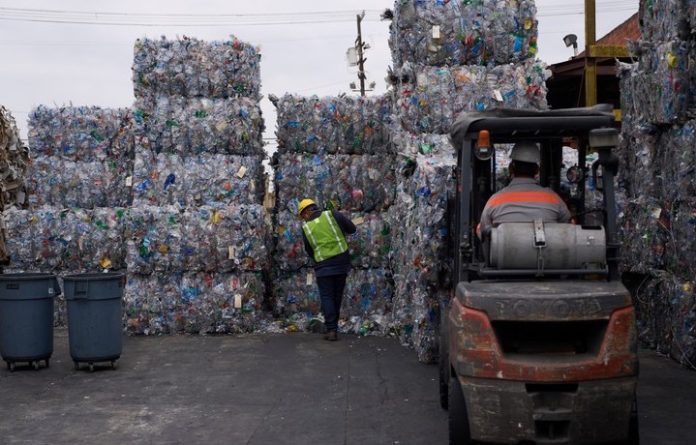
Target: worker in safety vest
pixel 325 242
pixel 523 200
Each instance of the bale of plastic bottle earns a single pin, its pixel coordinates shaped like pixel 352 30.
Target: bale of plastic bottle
pixel 151 304
pixel 333 124
pixel 20 241
pixel 108 225
pixel 14 161
pixel 189 126
pixel 443 33
pixel 366 305
pixel 165 179
pixel 369 247
pixel 195 303
pixel 191 68
pixel 665 20
pixel 59 239
pixel 347 182
pixel 86 184
pixel 154 237
pixel 660 87
pixel 81 133
pixel 429 99
pixel 234 238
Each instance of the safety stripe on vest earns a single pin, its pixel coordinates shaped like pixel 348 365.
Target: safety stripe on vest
pixel 317 250
pixel 512 197
pixel 339 239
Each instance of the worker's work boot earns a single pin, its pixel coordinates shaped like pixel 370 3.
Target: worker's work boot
pixel 331 336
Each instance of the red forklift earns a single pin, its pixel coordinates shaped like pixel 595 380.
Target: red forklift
pixel 538 340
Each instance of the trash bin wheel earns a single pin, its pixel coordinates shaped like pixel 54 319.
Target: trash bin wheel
pixel 91 366
pixel 10 366
pixel 113 364
pixel 48 364
pixel 36 365
pixel 76 365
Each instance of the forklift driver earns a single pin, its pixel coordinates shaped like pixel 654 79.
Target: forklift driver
pixel 523 200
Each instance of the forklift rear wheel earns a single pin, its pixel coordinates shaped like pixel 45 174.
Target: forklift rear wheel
pixel 443 363
pixel 459 433
pixel 633 427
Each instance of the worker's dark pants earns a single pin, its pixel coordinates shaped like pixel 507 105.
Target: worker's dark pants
pixel 331 293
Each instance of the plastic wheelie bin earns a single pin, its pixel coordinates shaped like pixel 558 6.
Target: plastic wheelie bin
pixel 26 318
pixel 94 317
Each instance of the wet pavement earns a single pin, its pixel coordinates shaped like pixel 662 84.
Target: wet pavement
pixel 270 389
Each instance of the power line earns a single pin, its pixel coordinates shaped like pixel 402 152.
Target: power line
pixel 165 19
pixel 239 19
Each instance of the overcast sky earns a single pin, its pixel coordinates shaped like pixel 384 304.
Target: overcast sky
pixel 86 64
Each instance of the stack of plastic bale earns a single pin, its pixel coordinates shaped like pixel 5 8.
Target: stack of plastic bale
pixel 14 160
pixel 419 260
pixel 658 151
pixel 449 58
pixel 77 185
pixel 336 151
pixel 197 234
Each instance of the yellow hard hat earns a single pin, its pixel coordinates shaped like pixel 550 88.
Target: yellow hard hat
pixel 304 204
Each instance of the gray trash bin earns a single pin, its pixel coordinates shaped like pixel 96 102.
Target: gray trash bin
pixel 94 317
pixel 26 317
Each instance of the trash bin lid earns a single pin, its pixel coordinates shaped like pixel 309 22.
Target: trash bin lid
pixel 96 276
pixel 28 286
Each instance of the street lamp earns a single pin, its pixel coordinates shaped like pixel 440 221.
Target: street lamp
pixel 571 39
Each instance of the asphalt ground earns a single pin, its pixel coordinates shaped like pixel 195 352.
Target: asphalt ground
pixel 270 389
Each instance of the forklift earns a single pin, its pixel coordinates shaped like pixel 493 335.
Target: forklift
pixel 538 341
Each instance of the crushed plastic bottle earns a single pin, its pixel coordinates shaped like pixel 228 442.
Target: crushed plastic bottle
pixel 351 182
pixel 369 247
pixel 463 33
pixel 190 67
pixel 429 99
pixel 189 126
pixel 329 125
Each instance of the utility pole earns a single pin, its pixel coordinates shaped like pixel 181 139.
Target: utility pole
pixel 590 60
pixel 361 61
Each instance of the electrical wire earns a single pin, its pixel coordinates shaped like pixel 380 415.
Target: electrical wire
pixel 239 19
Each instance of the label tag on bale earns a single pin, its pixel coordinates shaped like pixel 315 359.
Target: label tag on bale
pixel 359 220
pixel 230 252
pixel 498 95
pixel 241 172
pixel 310 279
pixel 237 301
pixel 129 181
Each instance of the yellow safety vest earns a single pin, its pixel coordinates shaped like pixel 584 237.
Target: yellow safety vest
pixel 325 237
